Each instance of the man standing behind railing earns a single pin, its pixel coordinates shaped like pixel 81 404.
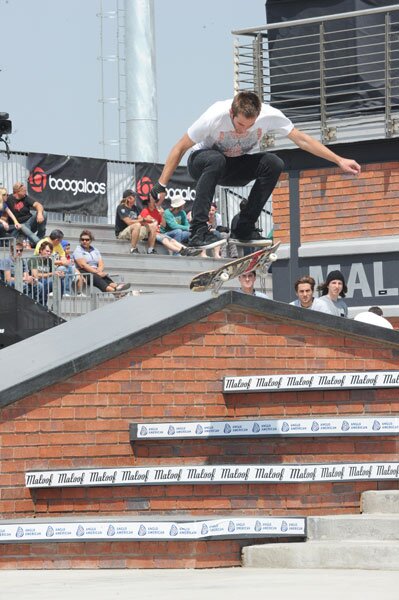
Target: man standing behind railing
pixel 225 143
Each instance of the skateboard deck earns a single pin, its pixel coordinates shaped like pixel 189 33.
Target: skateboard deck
pixel 252 243
pixel 195 250
pixel 261 259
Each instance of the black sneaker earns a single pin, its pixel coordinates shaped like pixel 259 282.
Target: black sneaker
pixel 134 251
pixel 251 236
pixel 190 251
pixel 151 251
pixel 202 237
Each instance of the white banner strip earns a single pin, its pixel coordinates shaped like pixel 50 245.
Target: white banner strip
pixel 334 426
pixel 165 475
pixel 56 531
pixel 311 381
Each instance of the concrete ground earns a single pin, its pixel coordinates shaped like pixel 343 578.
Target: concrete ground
pixel 207 584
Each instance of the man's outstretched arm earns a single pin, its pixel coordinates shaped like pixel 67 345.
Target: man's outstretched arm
pixel 310 144
pixel 172 161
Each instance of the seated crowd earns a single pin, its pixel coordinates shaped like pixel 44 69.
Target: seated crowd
pixel 25 220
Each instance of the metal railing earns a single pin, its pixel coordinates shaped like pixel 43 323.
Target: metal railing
pixel 337 76
pixel 68 295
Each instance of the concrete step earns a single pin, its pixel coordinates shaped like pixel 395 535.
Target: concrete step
pixel 370 554
pixel 380 502
pixel 161 273
pixel 353 527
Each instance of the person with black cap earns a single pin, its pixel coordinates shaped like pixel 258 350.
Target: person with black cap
pixel 332 291
pixel 129 224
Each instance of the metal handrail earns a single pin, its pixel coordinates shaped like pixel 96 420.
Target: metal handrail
pixel 338 85
pixel 347 15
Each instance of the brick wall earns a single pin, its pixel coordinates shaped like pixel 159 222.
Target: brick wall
pixel 84 421
pixel 335 206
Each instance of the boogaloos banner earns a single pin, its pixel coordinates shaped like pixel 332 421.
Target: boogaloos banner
pixel 68 183
pixel 147 174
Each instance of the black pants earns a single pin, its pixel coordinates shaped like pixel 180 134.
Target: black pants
pixel 211 168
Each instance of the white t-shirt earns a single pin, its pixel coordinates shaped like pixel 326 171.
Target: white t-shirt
pixel 373 319
pixel 214 129
pixel 325 305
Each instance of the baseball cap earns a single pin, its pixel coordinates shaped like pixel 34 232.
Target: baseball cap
pixel 128 193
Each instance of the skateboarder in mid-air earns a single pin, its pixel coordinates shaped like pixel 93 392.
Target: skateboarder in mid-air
pixel 225 143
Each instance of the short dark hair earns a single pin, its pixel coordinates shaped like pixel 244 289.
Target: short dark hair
pixel 44 245
pixel 376 310
pixel 246 103
pixel 56 234
pixel 305 279
pixel 88 233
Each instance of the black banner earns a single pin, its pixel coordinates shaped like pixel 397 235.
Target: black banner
pixel 68 183
pixel 180 184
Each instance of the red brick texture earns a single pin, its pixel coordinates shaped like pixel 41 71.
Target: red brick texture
pixel 84 422
pixel 337 206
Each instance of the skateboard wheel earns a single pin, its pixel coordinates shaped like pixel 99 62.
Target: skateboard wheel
pixel 224 276
pixel 273 257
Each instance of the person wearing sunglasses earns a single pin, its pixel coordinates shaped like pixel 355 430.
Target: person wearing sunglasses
pixel 31 286
pixel 89 260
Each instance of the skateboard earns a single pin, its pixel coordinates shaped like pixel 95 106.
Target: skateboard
pixel 194 251
pixel 252 243
pixel 259 260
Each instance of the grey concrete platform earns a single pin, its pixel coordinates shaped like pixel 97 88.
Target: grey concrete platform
pixel 207 584
pixel 380 502
pixel 378 555
pixel 354 527
pixel 367 541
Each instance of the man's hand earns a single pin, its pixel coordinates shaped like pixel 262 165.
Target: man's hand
pixel 348 165
pixel 158 192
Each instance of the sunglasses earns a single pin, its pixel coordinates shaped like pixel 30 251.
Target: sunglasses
pixel 19 250
pixel 85 239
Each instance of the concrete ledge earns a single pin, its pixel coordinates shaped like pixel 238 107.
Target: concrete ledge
pixel 324 555
pixel 353 527
pixel 380 502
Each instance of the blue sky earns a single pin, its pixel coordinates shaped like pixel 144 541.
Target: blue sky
pixel 50 72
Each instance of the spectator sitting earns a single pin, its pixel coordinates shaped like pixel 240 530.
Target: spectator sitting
pixel 70 267
pixel 374 316
pixel 153 215
pixel 332 291
pixel 58 254
pixel 88 260
pixel 215 226
pixel 6 215
pixel 129 223
pixel 42 270
pixel 176 222
pixel 304 288
pixel 33 220
pixel 31 287
pixel 247 283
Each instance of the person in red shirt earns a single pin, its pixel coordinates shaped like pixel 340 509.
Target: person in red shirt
pixel 151 214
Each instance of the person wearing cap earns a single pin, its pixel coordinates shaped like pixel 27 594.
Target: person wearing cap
pixel 247 285
pixel 129 223
pixel 176 222
pixel 70 269
pixel 332 291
